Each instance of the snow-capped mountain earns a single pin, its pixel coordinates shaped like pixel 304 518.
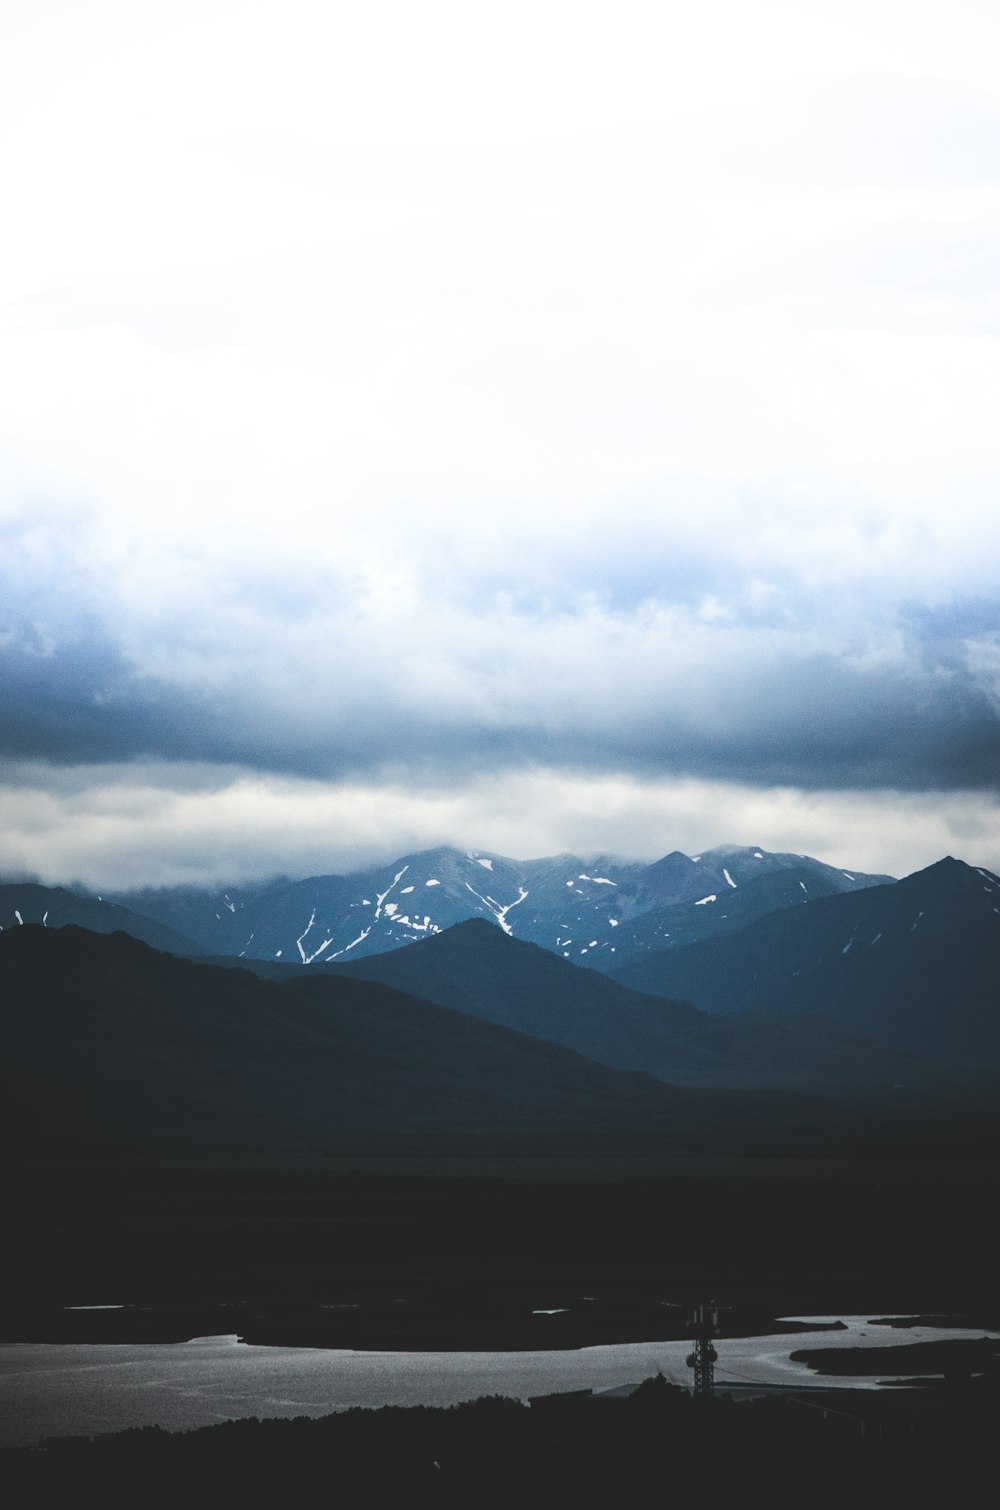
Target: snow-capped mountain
pixel 594 912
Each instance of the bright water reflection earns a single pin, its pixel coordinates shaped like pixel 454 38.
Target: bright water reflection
pixel 80 1388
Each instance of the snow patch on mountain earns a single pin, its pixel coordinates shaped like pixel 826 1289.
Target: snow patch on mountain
pixel 307 959
pixel 353 944
pixel 381 896
pixel 498 910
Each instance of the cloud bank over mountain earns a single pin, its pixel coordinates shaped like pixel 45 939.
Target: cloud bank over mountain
pixel 410 434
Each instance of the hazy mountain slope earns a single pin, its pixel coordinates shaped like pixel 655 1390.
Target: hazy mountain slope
pixel 475 968
pixel 113 1048
pixel 915 964
pixel 590 911
pixel 24 902
pixel 681 897
pixel 717 913
pixel 219 919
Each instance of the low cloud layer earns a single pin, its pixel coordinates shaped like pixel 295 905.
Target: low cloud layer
pixel 140 825
pixel 394 412
pixel 785 687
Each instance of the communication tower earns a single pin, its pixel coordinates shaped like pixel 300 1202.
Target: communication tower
pixel 704 1323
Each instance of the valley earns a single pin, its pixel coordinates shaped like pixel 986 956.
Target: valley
pixel 464 1144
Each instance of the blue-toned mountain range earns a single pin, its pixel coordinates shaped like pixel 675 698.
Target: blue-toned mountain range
pixel 595 911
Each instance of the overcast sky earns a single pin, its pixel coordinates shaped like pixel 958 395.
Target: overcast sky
pixel 532 427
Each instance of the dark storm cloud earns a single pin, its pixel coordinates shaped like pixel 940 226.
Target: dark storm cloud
pixel 810 723
pixel 733 703
pixel 78 700
pixel 820 722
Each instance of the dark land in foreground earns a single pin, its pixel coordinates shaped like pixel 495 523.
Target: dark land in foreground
pixel 658 1444
pixel 206 1152
pixel 459 1252
pixel 462 1253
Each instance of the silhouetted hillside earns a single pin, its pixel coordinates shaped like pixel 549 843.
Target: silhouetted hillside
pixel 111 1047
pixel 476 968
pixel 915 964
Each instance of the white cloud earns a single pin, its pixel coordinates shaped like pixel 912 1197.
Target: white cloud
pixel 113 828
pixel 397 366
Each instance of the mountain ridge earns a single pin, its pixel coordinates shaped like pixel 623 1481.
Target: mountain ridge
pixel 914 964
pixel 473 967
pixel 112 1046
pixel 587 910
pixel 28 902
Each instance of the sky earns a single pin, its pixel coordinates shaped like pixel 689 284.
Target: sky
pixel 534 428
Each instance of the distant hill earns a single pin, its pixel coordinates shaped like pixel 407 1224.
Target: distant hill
pixel 113 1049
pixel 24 902
pixel 475 968
pixel 915 964
pixel 723 911
pixel 595 911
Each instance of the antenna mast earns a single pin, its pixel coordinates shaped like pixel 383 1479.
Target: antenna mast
pixel 704 1323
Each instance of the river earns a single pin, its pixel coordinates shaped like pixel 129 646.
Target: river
pixel 55 1389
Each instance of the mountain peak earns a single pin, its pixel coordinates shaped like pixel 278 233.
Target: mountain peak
pixel 949 871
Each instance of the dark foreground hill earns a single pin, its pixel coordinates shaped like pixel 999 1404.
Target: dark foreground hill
pixel 476 968
pixel 824 1449
pixel 113 1049
pixel 915 964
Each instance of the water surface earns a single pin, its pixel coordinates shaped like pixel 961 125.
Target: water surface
pixel 56 1389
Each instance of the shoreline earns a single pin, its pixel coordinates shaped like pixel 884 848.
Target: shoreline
pixel 57 1390
pixel 428 1332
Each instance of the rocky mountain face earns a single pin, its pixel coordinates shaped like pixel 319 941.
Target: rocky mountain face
pixel 915 964
pixel 596 912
